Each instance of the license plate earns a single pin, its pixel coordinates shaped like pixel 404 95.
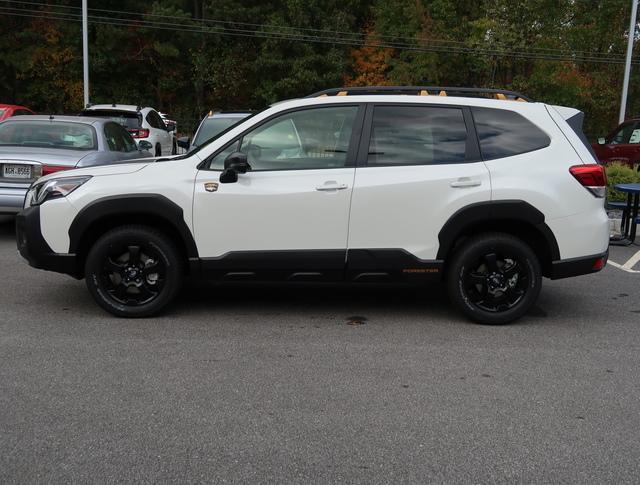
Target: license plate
pixel 16 171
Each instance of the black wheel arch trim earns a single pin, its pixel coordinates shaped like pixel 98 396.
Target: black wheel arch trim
pixel 155 205
pixel 491 212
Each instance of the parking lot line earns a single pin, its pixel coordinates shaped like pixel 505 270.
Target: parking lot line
pixel 633 260
pixel 628 265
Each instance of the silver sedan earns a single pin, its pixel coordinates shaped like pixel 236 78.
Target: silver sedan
pixel 33 146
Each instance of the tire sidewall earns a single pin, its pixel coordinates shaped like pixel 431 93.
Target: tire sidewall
pixel 100 251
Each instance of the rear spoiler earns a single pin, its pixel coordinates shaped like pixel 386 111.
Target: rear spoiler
pixel 574 119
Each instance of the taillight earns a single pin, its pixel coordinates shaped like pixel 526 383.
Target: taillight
pixel 47 169
pixel 599 263
pixel 591 177
pixel 139 133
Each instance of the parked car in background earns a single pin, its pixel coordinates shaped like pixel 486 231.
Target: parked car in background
pixel 33 146
pixel 212 125
pixel 172 125
pixel 9 110
pixel 621 145
pixel 143 124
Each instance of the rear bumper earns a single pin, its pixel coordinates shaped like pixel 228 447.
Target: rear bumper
pixel 567 268
pixel 11 199
pixel 35 249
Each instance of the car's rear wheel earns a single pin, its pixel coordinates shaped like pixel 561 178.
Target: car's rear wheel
pixel 494 278
pixel 174 148
pixel 134 271
pixel 158 151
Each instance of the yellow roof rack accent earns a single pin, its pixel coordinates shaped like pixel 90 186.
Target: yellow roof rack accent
pixel 424 91
pixel 519 99
pixel 211 113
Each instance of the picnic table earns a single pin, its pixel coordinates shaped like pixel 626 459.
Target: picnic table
pixel 629 220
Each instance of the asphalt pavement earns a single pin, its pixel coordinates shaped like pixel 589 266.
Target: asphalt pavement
pixel 318 385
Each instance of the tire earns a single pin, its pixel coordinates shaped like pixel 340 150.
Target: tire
pixel 494 278
pixel 174 148
pixel 158 151
pixel 130 282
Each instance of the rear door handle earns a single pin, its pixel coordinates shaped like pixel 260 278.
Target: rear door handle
pixel 465 182
pixel 331 186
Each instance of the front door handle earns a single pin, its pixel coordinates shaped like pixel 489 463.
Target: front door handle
pixel 328 186
pixel 465 182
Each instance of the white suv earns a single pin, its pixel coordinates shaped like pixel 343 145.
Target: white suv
pixel 348 185
pixel 144 124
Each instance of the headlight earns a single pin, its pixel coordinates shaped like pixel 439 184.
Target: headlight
pixel 53 189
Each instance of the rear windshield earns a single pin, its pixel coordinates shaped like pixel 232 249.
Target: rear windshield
pixel 48 134
pixel 211 127
pixel 128 119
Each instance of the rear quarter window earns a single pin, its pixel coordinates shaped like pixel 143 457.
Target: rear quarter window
pixel 503 133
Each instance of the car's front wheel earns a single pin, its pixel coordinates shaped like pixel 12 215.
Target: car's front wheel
pixel 134 271
pixel 494 278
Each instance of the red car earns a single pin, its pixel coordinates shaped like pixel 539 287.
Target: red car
pixel 8 110
pixel 622 144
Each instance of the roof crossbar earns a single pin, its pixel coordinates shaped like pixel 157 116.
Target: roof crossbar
pixel 424 91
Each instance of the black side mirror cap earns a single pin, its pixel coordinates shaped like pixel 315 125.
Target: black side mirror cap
pixel 144 145
pixel 237 161
pixel 228 176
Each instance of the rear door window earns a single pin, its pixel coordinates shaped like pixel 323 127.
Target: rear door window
pixel 416 135
pixel 503 133
pixel 118 139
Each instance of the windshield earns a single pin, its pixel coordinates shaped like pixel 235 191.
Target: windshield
pixel 128 119
pixel 211 127
pixel 44 134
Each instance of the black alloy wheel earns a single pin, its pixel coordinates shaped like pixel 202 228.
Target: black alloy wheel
pixel 496 282
pixel 494 278
pixel 133 275
pixel 134 271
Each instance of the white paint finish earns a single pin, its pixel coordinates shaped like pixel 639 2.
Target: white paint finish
pixel 56 216
pixel 394 207
pixel 173 179
pixel 583 234
pixel 405 207
pixel 272 210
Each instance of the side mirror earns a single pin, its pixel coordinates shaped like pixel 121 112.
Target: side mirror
pixel 144 145
pixel 234 164
pixel 184 142
pixel 170 127
pixel 237 161
pixel 602 141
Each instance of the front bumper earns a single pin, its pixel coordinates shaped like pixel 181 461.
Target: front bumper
pixel 35 249
pixel 12 199
pixel 567 268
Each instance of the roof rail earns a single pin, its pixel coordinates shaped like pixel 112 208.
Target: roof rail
pixel 424 91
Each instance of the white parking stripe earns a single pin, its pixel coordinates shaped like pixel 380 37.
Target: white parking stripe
pixel 632 261
pixel 620 266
